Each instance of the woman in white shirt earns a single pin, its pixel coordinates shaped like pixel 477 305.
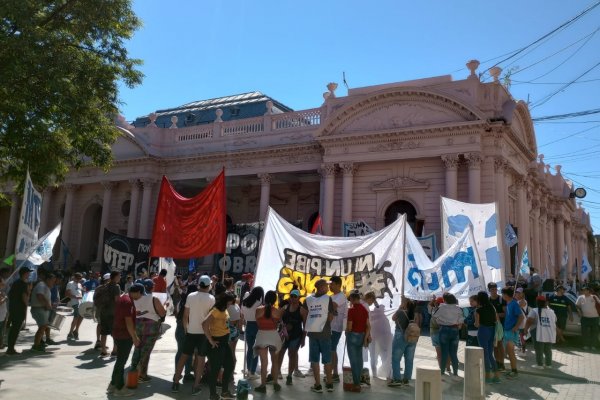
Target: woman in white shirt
pixel 586 307
pixel 449 318
pixel 543 320
pixel 249 306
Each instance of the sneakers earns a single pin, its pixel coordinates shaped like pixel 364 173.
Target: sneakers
pixel 356 389
pixel 405 382
pixel 144 379
pixel 299 374
pixel 76 335
pixel 277 387
pixel 196 390
pixel 70 336
pixel 111 388
pixel 188 378
pixel 124 392
pixel 269 378
pixel 537 366
pixel 97 346
pixel 512 375
pixel 395 383
pixel 39 348
pixel 329 387
pixel 288 380
pixel 175 387
pixel 12 352
pixel 316 388
pixel 261 389
pixel 227 396
pixel 501 367
pixel 51 342
pixel 253 377
pixel 336 378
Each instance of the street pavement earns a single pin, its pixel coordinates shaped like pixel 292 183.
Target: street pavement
pixel 73 370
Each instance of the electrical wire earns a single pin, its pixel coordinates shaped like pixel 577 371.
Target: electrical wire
pixel 569 136
pixel 516 82
pixel 568 115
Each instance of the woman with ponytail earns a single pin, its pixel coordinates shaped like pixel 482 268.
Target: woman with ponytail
pixel 268 340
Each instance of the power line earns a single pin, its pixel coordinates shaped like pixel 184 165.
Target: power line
pixel 568 136
pixel 568 122
pixel 515 82
pixel 567 115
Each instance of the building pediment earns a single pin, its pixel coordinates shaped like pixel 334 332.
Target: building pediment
pixel 400 183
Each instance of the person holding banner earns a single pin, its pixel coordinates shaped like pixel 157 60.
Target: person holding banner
pixel 18 300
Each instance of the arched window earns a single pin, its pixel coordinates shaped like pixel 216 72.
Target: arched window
pixel 404 207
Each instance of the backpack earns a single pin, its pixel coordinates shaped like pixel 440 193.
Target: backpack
pixel 412 331
pixel 102 296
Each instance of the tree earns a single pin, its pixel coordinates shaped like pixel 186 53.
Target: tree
pixel 60 63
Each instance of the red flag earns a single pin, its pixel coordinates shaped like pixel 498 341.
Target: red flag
pixel 317 227
pixel 190 228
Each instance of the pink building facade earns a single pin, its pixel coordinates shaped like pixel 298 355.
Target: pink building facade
pixel 379 150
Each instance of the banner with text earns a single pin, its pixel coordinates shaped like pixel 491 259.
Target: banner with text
pixel 456 217
pixel 429 245
pixel 291 258
pixel 358 228
pixel 241 250
pixel 125 254
pixel 29 222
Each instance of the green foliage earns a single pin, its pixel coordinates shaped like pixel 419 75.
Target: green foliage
pixel 60 62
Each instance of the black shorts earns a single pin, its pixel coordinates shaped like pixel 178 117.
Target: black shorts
pixel 106 323
pixel 197 342
pixel 561 321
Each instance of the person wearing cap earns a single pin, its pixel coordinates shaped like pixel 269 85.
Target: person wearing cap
pixel 197 307
pixel 293 317
pixel 563 308
pixel 500 306
pixel 74 292
pixel 18 300
pixel 340 313
pixel 149 313
pixel 587 307
pixel 512 321
pixel 125 337
pixel 105 298
pixel 320 310
pixel 544 320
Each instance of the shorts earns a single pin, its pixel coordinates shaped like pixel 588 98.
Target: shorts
pixel 561 321
pixel 195 342
pixel 435 339
pixel 319 348
pixel 76 311
pixel 292 344
pixel 335 340
pixel 40 315
pixel 510 336
pixel 106 323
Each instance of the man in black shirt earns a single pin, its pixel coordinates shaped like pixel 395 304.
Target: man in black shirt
pixel 18 298
pixel 562 307
pixel 499 305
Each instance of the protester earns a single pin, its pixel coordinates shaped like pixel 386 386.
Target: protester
pixel 401 346
pixel 235 319
pixel 92 283
pixel 180 334
pixel 128 283
pixel 586 307
pixel 318 328
pixel 512 321
pixel 149 314
pixel 248 280
pixel 75 293
pixel 434 331
pixel 469 314
pixel 485 322
pixel 197 306
pixel 544 320
pixel 563 308
pixel 216 330
pixel 293 318
pixel 18 300
pixel 499 305
pixel 268 340
pixel 249 306
pixel 358 332
pixel 449 318
pixel 524 305
pixel 105 298
pixel 40 308
pixel 125 337
pixel 160 282
pixel 381 336
pixel 340 304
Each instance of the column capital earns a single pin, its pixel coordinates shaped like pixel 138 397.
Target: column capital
pixel 450 160
pixel 109 185
pixel 327 170
pixel 134 182
pixel 265 179
pixel 49 190
pixel 148 183
pixel 519 181
pixel 349 169
pixel 500 164
pixel 474 159
pixel 71 187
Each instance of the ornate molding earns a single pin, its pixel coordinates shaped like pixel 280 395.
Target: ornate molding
pixel 474 160
pixel 450 160
pixel 109 185
pixel 71 187
pixel 500 164
pixel 400 183
pixel 327 170
pixel 349 169
pixel 148 183
pixel 265 179
pixel 396 145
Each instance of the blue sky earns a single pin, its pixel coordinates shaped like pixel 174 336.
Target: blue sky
pixel 195 50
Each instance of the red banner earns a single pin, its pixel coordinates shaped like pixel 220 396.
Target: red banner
pixel 190 228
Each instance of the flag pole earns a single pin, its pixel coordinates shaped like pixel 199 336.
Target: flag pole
pixel 472 237
pixel 403 255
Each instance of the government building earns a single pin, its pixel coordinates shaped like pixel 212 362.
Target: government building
pixel 376 152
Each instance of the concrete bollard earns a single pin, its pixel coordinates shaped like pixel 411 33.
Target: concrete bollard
pixel 429 384
pixel 474 387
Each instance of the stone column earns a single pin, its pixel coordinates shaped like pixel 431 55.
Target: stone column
pixel 474 160
pixel 293 201
pixel 347 191
pixel 569 244
pixel 47 197
pixel 13 223
pixel 328 177
pixel 134 205
pixel 108 187
pixel 543 242
pixel 535 243
pixel 559 228
pixel 66 226
pixel 265 194
pixel 145 216
pixel 451 164
pixel 523 216
pixel 501 190
pixel 550 250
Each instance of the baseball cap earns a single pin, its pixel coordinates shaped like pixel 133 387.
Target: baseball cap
pixel 24 270
pixel 138 288
pixel 204 281
pixel 492 285
pixel 295 293
pixel 148 284
pixel 106 276
pixel 559 287
pixel 519 290
pixel 439 300
pixel 540 298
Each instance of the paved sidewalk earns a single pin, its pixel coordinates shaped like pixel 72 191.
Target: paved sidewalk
pixel 73 370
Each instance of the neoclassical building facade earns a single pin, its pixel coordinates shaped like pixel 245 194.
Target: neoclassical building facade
pixel 378 151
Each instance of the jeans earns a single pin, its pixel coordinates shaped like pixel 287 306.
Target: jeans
pixel 400 348
pixel 589 331
pixel 250 337
pixel 180 338
pixel 485 335
pixel 220 356
pixel 2 325
pixel 123 349
pixel 543 349
pixel 354 343
pixel 16 320
pixel 449 346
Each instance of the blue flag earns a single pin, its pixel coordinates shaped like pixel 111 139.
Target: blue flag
pixel 524 269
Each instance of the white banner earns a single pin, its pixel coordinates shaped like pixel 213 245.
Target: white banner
pixel 42 252
pixel 358 228
pixel 290 257
pixel 429 245
pixel 29 223
pixel 456 217
pixel 457 271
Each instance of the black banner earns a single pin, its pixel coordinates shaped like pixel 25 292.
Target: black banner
pixel 124 254
pixel 241 248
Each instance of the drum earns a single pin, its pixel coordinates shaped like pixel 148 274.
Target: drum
pixel 86 308
pixel 55 320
